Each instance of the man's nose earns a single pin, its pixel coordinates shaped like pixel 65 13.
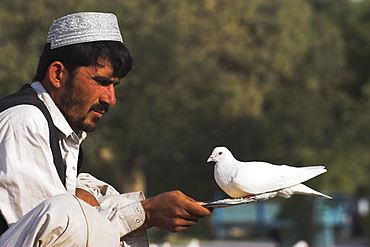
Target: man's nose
pixel 108 96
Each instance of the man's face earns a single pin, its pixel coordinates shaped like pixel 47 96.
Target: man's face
pixel 87 96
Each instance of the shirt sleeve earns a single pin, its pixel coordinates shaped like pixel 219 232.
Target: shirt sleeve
pixel 123 210
pixel 27 172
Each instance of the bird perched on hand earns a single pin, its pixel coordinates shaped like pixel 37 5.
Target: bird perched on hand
pixel 261 179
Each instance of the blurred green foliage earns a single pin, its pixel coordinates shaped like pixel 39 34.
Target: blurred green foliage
pixel 280 81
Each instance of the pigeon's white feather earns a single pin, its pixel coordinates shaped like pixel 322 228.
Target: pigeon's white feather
pixel 240 179
pixel 274 177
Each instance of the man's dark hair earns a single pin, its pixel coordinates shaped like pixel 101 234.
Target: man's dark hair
pixel 86 54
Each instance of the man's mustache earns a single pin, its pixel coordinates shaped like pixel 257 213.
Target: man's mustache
pixel 99 108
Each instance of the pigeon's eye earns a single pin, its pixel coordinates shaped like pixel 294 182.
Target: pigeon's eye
pixel 219 153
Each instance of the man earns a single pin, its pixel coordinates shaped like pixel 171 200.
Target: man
pixel 43 200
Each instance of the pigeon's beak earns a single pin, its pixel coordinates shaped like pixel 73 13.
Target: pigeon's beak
pixel 211 158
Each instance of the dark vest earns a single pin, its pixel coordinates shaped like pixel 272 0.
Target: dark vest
pixel 27 95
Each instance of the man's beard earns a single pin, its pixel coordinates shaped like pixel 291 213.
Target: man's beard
pixel 71 99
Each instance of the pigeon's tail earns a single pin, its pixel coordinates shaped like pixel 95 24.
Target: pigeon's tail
pixel 310 172
pixel 305 190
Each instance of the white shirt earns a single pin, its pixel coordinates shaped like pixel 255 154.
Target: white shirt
pixel 69 141
pixel 28 175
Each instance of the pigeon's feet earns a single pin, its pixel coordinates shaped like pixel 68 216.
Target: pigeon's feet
pixel 249 197
pixel 266 196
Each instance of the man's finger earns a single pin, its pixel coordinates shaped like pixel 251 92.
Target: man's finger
pixel 197 210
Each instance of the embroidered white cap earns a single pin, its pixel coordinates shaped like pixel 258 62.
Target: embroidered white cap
pixel 83 27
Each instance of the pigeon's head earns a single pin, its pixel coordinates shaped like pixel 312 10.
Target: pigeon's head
pixel 219 154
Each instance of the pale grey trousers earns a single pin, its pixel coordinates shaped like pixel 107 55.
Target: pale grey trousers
pixel 62 220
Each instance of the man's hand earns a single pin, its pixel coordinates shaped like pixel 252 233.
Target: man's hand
pixel 87 197
pixel 172 211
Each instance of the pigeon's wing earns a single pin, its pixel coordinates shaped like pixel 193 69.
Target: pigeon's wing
pixel 262 177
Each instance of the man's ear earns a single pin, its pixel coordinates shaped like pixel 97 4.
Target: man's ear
pixel 57 74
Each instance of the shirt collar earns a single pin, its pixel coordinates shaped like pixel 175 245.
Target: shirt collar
pixel 59 120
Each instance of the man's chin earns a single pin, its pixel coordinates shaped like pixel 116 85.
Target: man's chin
pixel 90 126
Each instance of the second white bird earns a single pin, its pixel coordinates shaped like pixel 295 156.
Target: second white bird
pixel 261 179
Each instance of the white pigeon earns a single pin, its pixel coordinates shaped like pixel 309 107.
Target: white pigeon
pixel 261 179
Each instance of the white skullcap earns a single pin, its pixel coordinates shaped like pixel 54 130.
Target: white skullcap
pixel 83 27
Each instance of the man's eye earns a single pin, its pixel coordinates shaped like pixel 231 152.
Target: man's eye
pixel 103 81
